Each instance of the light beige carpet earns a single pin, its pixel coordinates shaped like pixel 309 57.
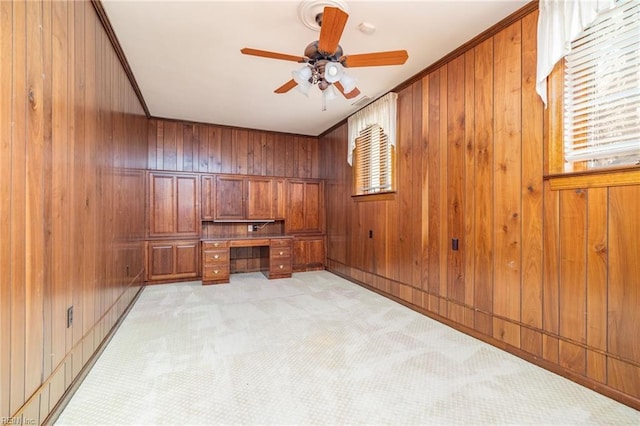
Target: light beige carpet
pixel 313 349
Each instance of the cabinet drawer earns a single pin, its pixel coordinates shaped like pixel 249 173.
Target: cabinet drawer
pixel 280 266
pixel 279 252
pixel 215 272
pixel 216 257
pixel 208 245
pixel 280 242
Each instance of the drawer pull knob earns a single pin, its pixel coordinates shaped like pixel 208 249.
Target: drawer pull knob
pixel 216 271
pixel 216 256
pixel 216 245
pixel 281 266
pixel 281 253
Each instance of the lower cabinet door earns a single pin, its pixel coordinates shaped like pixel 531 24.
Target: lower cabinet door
pixel 308 253
pixel 172 260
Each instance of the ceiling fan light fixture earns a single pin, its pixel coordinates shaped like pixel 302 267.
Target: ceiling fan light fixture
pixel 348 83
pixel 330 93
pixel 302 77
pixel 333 71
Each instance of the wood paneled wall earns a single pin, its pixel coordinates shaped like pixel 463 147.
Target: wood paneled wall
pixel 207 148
pixel 552 276
pixel 73 147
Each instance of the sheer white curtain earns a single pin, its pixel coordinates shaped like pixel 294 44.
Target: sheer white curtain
pixel 382 112
pixel 559 23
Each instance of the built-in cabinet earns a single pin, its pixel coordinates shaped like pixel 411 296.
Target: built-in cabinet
pixel 172 260
pixel 238 198
pixel 308 253
pixel 178 203
pixel 173 205
pixel 305 207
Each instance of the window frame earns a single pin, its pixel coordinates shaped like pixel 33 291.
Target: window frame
pixel 390 158
pixel 554 158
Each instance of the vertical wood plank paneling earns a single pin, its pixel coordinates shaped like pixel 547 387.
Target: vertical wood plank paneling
pixel 185 147
pixel 469 178
pixel 241 143
pixel 401 257
pixel 280 159
pixel 597 261
pixel 70 247
pixel 289 156
pixel 425 185
pixel 152 126
pixel 435 204
pixel 269 155
pixel 443 237
pixel 159 143
pixel 455 178
pixel 551 272
pixel 34 208
pixel 624 276
pixel 6 160
pixel 18 223
pixel 573 262
pixel 507 201
pixel 207 148
pixel 90 201
pixel 532 151
pixel 79 178
pixel 71 108
pixel 215 150
pixel 483 195
pixel 551 259
pixel 416 199
pixel 169 145
pixel 227 151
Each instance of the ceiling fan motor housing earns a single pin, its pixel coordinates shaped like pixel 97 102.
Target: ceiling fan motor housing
pixel 312 52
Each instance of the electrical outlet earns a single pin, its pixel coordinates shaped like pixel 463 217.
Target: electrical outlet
pixel 249 228
pixel 69 316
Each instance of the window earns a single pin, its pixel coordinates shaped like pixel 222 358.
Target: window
pixel 601 92
pixel 372 145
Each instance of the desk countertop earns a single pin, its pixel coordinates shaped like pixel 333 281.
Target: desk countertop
pixel 245 237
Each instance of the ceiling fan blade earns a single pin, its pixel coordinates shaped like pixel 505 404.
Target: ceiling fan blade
pixel 352 94
pixel 286 87
pixel 272 55
pixel 333 22
pixel 392 57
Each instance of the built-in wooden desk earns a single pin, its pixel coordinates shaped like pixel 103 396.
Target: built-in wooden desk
pixel 216 257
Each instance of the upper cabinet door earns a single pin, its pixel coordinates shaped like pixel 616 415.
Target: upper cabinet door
pixel 173 205
pixel 229 203
pixel 260 198
pixel 305 206
pixel 207 198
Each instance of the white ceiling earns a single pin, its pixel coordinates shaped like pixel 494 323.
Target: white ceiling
pixel 185 55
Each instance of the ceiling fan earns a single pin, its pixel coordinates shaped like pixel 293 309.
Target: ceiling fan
pixel 325 61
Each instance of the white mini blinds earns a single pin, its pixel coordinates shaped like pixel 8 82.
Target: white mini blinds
pixel 602 91
pixel 382 112
pixel 372 132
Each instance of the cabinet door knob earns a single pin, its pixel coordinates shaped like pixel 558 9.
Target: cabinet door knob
pixel 281 253
pixel 281 266
pixel 216 272
pixel 216 256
